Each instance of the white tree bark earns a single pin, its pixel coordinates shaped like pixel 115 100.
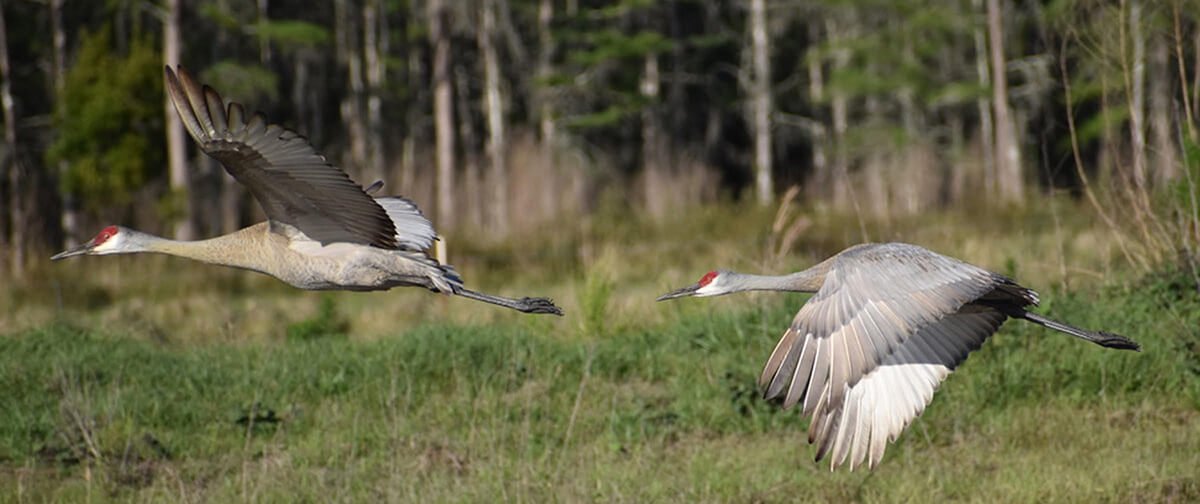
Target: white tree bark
pixel 1008 155
pixel 16 196
pixel 374 54
pixel 497 141
pixel 443 112
pixel 176 143
pixel 760 99
pixel 987 139
pixel 69 220
pixel 1137 95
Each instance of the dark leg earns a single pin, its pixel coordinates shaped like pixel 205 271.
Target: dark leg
pixel 525 304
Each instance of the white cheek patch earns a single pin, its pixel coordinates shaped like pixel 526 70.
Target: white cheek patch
pixel 108 247
pixel 708 290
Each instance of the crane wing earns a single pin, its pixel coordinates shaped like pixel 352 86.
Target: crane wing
pixel 887 399
pixel 875 298
pixel 413 230
pixel 294 183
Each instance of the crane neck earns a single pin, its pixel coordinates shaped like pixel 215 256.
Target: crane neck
pixel 809 280
pixel 234 249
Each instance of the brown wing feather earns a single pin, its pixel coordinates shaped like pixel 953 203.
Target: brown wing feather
pixel 294 183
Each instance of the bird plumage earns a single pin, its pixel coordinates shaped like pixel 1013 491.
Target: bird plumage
pixel 887 323
pixel 324 231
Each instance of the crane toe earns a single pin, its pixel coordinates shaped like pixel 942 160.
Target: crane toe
pixel 538 305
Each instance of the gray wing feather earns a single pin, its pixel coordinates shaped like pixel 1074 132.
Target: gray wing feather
pixel 413 230
pixel 878 408
pixel 294 183
pixel 874 299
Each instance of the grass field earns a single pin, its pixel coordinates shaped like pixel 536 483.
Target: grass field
pixel 161 381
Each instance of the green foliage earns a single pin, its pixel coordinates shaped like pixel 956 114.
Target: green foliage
pixel 593 302
pixel 243 83
pixel 291 33
pixel 326 323
pixel 110 121
pixel 468 409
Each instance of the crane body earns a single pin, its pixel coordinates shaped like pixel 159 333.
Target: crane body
pixel 324 232
pixel 885 325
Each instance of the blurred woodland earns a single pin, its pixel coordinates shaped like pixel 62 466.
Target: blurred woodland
pixel 499 116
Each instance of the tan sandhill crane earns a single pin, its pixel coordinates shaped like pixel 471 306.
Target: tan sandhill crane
pixel 323 231
pixel 887 324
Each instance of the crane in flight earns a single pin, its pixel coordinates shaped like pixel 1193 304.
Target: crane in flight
pixel 323 230
pixel 887 323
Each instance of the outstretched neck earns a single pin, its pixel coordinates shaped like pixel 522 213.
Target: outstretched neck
pixel 801 281
pixel 235 249
pixel 809 280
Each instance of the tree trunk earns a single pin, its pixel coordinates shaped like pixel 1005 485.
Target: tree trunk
pixel 351 107
pixel 987 139
pixel 16 197
pixel 545 53
pixel 1008 157
pixel 1137 95
pixel 180 181
pixel 821 176
pixel 443 112
pixel 494 106
pixel 264 44
pixel 654 185
pixel 1166 164
pixel 760 99
pixel 375 54
pixel 839 112
pixel 69 219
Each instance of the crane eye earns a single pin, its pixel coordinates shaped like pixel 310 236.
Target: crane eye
pixel 707 278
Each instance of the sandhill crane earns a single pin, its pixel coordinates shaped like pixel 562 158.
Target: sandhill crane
pixel 887 324
pixel 323 231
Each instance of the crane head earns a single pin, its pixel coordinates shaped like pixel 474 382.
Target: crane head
pixel 708 285
pixel 108 241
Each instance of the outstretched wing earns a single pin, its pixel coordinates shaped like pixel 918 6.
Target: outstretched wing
pixel 875 298
pixel 882 404
pixel 293 182
pixel 413 230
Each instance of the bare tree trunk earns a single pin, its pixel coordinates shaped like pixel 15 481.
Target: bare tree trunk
pixel 545 52
pixel 352 107
pixel 1166 164
pixel 375 53
pixel 1137 98
pixel 497 142
pixel 760 98
pixel 180 182
pixel 16 197
pixel 839 111
pixel 443 112
pixel 816 94
pixel 69 219
pixel 264 45
pixel 1008 157
pixel 654 186
pixel 987 139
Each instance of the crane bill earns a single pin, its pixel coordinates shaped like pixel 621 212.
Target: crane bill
pixel 678 293
pixel 73 251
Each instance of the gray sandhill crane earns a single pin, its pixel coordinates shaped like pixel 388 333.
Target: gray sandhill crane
pixel 323 231
pixel 887 324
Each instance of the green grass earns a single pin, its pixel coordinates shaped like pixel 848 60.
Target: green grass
pixel 611 412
